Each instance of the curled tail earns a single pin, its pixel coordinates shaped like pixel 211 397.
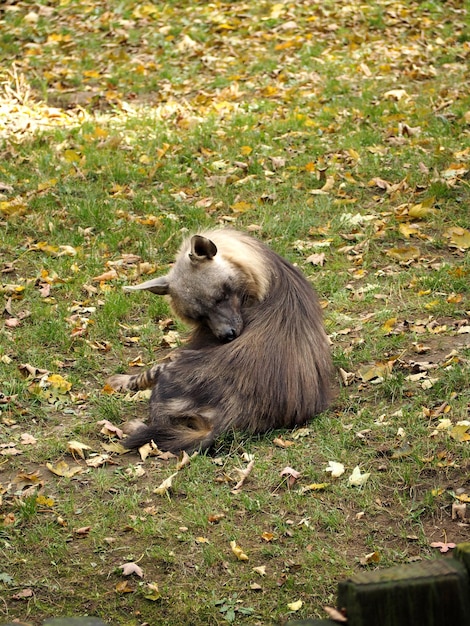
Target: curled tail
pixel 189 433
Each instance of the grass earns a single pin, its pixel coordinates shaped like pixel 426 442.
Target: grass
pixel 333 128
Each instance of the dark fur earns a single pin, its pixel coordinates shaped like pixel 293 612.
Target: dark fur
pixel 258 359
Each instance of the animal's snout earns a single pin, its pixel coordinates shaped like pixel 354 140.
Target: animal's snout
pixel 230 335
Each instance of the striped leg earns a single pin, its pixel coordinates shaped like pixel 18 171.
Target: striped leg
pixel 146 380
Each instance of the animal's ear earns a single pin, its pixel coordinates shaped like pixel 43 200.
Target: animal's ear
pixel 202 248
pixel 160 286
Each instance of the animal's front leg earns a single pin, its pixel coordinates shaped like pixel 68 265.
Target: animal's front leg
pixel 145 380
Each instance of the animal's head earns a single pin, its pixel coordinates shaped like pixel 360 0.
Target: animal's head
pixel 204 289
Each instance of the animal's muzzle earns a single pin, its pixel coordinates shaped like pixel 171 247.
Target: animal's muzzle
pixel 230 335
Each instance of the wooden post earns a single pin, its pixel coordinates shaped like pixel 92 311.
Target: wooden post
pixel 429 593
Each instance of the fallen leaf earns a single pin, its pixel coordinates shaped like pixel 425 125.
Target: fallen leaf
pixel 372 557
pixel 443 547
pixel 164 488
pixel 23 594
pixel 282 443
pixel 63 469
pixel 459 237
pixel 110 429
pixel 28 440
pixel 357 479
pixel 131 568
pixel 260 569
pixel 238 552
pixel 152 592
pixel 403 254
pixel 295 606
pixel 335 615
pixel 123 586
pixel 313 487
pixel 243 473
pixel 336 469
pixel 75 447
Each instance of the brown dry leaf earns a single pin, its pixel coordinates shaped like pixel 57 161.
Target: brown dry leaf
pixel 152 592
pixel 215 519
pixel 268 537
pixel 24 594
pixel 241 207
pixel 149 449
pixel 110 429
pixel 110 275
pixel 317 258
pixel 8 449
pixel 137 362
pixel 372 557
pixel 124 586
pixel 238 552
pixel 28 440
pixel 115 447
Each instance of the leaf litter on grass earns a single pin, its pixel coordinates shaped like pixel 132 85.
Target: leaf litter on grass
pixel 337 133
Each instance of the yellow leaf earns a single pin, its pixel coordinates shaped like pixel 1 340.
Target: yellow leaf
pixel 246 150
pixel 314 487
pixel 267 536
pixel 238 552
pixel 52 182
pixel 407 253
pixel 420 210
pixel 459 237
pixel 459 432
pixel 295 606
pixel 202 540
pixel 276 11
pixel 241 207
pixel 45 501
pixel 407 230
pixel 59 383
pixel 63 469
pixel 13 207
pixel 389 325
pixel 71 156
pixel 378 370
pixel 463 497
pixel 75 447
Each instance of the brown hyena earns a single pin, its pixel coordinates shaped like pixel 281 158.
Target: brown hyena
pixel 258 358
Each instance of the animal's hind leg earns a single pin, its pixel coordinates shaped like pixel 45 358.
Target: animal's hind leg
pixel 146 380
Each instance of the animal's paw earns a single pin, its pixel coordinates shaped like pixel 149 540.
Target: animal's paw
pixel 119 382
